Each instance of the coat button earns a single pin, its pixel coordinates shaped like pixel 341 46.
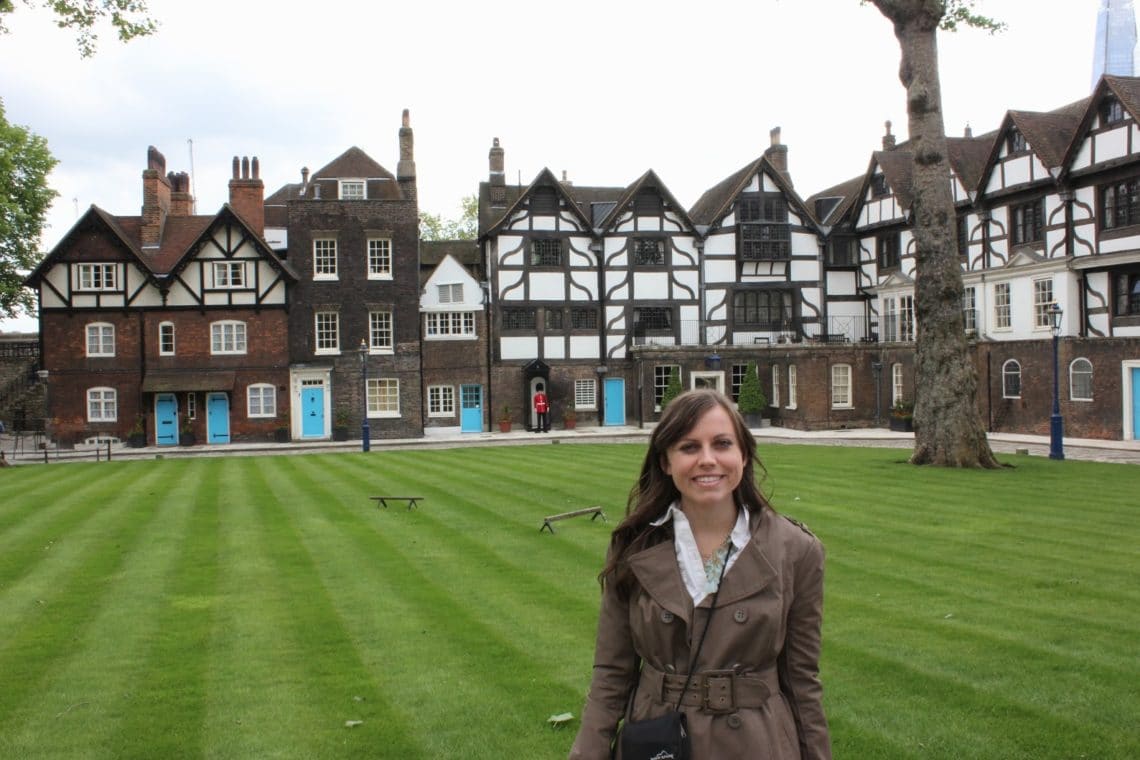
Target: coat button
pixel 670 668
pixel 666 617
pixel 733 721
pixel 740 615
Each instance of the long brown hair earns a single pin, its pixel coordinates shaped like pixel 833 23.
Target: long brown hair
pixel 655 490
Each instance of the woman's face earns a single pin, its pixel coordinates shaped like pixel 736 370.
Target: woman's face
pixel 706 463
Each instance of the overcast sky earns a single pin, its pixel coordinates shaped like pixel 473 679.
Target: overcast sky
pixel 601 89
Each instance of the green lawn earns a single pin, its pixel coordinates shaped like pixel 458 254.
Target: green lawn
pixel 252 607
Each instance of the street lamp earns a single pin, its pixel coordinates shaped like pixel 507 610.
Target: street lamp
pixel 1056 424
pixel 365 431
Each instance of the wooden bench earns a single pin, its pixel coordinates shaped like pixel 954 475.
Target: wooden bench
pixel 382 501
pixel 595 511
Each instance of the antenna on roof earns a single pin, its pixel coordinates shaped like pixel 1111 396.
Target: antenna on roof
pixel 193 198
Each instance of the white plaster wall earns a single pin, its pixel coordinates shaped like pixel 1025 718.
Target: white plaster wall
pixel 720 270
pixel 583 347
pixel 651 285
pixel 754 185
pixel 1110 145
pixel 720 244
pixel 522 347
pixel 544 223
pixel 277 238
pixel 841 283
pixel 547 286
pixel 1083 158
pixel 717 304
pixel 805 270
pixel 616 346
pixel 1113 245
pixel 613 289
pixel 510 280
pixel 449 271
pixel 583 286
pixel 554 347
pixel 613 313
pixel 513 251
pixel 686 280
pixel 690 313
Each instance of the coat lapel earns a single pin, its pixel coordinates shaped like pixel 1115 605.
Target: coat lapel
pixel 656 570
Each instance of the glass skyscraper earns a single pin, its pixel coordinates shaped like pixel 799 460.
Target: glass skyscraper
pixel 1115 39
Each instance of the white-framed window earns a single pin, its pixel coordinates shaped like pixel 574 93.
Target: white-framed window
pixel 1042 300
pixel 450 292
pixel 227 337
pixel 102 405
pixel 324 259
pixel 775 385
pixel 841 395
pixel 585 394
pixel 970 308
pixel 379 259
pixel 896 383
pixel 97 276
pixel 1080 380
pixel 1001 306
pixel 327 332
pixel 100 339
pixel 192 405
pixel 736 379
pixel 380 331
pixel 261 400
pixel 661 373
pixel 449 324
pixel 229 274
pixel 353 190
pixel 1011 379
pixel 383 397
pixel 441 401
pixel 791 386
pixel 166 338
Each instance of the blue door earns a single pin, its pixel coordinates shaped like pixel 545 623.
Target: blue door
pixel 313 411
pixel 471 409
pixel 165 420
pixel 1136 403
pixel 217 418
pixel 614 399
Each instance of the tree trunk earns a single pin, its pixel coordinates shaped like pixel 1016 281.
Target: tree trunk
pixel 948 427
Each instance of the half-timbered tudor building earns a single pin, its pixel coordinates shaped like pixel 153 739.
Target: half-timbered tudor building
pixel 350 231
pixel 166 323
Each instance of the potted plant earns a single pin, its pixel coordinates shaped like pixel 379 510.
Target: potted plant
pixel 902 416
pixel 186 435
pixel 505 420
pixel 136 439
pixel 340 425
pixel 281 434
pixel 570 417
pixel 751 400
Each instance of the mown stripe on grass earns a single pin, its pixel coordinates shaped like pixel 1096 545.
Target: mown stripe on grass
pixel 28 491
pixel 166 714
pixel 429 646
pixel 90 691
pixel 54 606
pixel 287 675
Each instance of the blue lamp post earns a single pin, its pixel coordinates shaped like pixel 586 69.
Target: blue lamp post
pixel 365 431
pixel 1056 424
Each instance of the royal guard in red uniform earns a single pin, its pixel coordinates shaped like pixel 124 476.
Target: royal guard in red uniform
pixel 541 410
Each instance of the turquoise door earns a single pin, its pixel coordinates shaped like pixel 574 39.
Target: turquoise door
pixel 471 409
pixel 313 411
pixel 1136 403
pixel 614 399
pixel 217 418
pixel 165 420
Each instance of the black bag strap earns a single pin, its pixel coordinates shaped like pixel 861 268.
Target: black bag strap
pixel 700 644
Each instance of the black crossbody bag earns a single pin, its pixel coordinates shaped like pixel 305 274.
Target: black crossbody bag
pixel 666 737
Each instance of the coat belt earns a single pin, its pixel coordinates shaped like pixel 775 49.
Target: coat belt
pixel 713 691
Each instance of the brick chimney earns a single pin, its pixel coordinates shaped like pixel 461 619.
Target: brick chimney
pixel 156 199
pixel 777 154
pixel 497 179
pixel 406 168
pixel 181 201
pixel 888 138
pixel 247 193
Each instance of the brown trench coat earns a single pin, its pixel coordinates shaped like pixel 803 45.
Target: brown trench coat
pixel 766 628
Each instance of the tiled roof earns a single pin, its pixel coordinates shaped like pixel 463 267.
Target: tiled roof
pixel 898 168
pixel 713 204
pixel 649 180
pixel 846 193
pixel 352 163
pixel 968 157
pixel 1048 134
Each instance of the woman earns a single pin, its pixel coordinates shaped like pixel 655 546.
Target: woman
pixel 755 689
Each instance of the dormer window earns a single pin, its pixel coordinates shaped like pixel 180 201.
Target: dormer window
pixel 1015 141
pixel 1111 111
pixel 544 201
pixel 352 190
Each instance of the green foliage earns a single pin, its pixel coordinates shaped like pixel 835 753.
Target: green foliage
pixel 248 607
pixel 435 227
pixel 673 389
pixel 25 163
pixel 751 399
pixel 903 410
pixel 961 12
pixel 128 17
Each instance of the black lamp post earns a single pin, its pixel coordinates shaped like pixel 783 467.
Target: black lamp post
pixel 1056 424
pixel 365 431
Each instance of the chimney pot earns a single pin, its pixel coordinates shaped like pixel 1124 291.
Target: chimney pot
pixel 237 168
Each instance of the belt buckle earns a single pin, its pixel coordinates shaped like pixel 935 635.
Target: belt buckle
pixel 717 690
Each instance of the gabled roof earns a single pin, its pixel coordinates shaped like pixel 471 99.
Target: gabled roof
pixel 646 181
pixel 968 157
pixel 545 178
pixel 464 252
pixel 898 168
pixel 716 202
pixel 227 215
pixel 1126 90
pixel 1049 134
pixel 352 163
pixel 124 230
pixel 845 194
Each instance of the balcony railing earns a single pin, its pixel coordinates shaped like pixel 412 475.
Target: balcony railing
pixel 689 333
